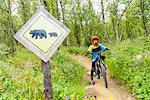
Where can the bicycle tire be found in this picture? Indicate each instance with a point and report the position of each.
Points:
(104, 75)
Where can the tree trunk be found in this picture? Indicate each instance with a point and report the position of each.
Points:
(63, 16)
(116, 28)
(47, 80)
(113, 25)
(53, 7)
(103, 15)
(57, 10)
(81, 29)
(13, 42)
(118, 34)
(62, 9)
(143, 16)
(23, 11)
(127, 29)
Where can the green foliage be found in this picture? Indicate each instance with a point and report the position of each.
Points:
(22, 78)
(76, 50)
(21, 82)
(50, 6)
(126, 67)
(135, 22)
(24, 10)
(80, 17)
(83, 21)
(4, 51)
(67, 74)
(21, 56)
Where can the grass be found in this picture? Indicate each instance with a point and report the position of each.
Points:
(125, 67)
(76, 50)
(21, 77)
(128, 69)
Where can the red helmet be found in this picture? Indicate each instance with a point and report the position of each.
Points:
(94, 38)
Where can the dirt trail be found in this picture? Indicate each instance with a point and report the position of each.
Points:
(114, 91)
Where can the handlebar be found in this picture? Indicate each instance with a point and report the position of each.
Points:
(97, 52)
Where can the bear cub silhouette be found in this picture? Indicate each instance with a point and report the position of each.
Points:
(54, 34)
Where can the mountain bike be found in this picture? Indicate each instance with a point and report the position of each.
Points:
(101, 68)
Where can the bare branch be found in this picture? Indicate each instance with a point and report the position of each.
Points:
(124, 11)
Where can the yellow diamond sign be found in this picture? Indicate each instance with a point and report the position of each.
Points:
(42, 34)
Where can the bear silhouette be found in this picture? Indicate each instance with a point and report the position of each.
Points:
(41, 33)
(54, 34)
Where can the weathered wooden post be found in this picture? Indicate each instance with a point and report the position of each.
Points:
(46, 69)
(43, 34)
(47, 80)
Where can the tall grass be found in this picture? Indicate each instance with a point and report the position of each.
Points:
(21, 77)
(129, 63)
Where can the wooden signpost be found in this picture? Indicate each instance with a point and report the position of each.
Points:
(43, 34)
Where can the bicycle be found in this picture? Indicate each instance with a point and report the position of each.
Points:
(101, 68)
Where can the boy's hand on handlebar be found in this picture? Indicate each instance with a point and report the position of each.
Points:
(107, 49)
(88, 53)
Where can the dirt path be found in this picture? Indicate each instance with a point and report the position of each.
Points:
(114, 91)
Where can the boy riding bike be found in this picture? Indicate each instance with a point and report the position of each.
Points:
(95, 49)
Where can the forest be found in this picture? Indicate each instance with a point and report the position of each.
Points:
(122, 25)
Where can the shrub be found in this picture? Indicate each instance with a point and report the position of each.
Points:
(21, 77)
(128, 69)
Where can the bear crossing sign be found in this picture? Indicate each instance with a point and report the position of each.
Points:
(42, 34)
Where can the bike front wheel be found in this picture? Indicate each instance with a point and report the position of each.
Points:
(104, 74)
